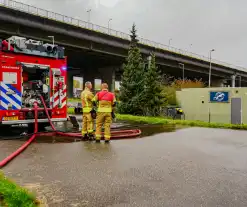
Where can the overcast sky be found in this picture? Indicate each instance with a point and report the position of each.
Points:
(206, 24)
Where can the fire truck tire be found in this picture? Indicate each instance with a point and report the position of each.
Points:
(5, 127)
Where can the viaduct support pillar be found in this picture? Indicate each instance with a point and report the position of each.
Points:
(239, 81)
(70, 75)
(109, 76)
(70, 84)
(233, 80)
(113, 80)
(88, 75)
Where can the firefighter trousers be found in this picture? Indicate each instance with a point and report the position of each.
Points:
(106, 119)
(87, 124)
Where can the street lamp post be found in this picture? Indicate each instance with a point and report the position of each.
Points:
(181, 64)
(170, 41)
(109, 26)
(210, 67)
(53, 41)
(89, 15)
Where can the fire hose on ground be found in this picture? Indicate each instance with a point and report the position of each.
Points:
(25, 145)
(118, 134)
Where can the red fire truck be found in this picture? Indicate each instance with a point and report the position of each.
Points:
(28, 69)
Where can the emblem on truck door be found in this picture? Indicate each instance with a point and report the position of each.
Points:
(10, 92)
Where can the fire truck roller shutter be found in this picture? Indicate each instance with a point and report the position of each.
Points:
(35, 66)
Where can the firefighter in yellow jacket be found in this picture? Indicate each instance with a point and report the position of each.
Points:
(87, 104)
(106, 101)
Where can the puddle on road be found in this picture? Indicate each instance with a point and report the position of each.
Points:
(147, 130)
(150, 129)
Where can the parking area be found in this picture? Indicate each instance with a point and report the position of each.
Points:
(189, 167)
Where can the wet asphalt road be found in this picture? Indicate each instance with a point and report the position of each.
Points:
(190, 167)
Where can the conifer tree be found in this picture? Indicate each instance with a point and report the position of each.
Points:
(154, 99)
(133, 80)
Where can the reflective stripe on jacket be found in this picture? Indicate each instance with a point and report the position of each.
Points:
(105, 100)
(86, 98)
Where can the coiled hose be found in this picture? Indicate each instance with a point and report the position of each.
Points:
(115, 134)
(122, 134)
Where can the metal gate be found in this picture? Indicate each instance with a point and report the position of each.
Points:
(236, 111)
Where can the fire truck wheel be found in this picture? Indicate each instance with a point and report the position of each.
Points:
(5, 127)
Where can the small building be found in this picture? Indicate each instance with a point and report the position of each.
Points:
(218, 105)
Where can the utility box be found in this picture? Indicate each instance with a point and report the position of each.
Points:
(219, 105)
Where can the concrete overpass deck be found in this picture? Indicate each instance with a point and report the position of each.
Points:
(24, 20)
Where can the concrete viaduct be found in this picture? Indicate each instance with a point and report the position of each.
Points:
(97, 52)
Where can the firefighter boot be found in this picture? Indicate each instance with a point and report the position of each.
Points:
(90, 128)
(107, 124)
(84, 127)
(91, 137)
(85, 137)
(87, 126)
(99, 123)
(107, 141)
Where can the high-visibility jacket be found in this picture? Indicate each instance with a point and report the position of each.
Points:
(106, 100)
(87, 98)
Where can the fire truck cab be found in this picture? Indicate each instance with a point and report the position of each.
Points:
(28, 69)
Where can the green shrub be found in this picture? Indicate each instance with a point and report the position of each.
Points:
(71, 110)
(170, 93)
(15, 196)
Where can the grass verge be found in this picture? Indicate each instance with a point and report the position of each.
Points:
(160, 120)
(74, 100)
(71, 110)
(12, 195)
